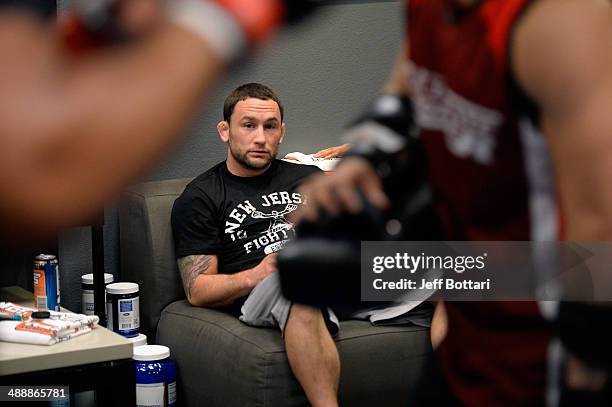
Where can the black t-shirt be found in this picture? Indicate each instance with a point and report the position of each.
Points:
(239, 219)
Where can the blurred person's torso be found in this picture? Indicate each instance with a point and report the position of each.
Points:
(491, 177)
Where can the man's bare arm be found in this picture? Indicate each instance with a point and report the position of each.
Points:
(73, 130)
(206, 288)
(562, 58)
(191, 267)
(397, 83)
(203, 285)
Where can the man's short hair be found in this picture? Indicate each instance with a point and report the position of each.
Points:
(246, 91)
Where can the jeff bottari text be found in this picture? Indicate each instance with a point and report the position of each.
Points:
(411, 264)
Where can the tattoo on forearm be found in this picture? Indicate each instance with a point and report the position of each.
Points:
(191, 267)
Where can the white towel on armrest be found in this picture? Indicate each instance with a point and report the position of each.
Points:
(326, 164)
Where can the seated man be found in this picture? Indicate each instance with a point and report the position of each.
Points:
(228, 225)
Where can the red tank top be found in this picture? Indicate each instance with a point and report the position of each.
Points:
(492, 180)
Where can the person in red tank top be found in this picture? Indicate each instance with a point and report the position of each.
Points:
(511, 97)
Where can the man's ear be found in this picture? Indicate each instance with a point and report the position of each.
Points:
(223, 130)
(282, 137)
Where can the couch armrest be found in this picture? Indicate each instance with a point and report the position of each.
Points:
(147, 248)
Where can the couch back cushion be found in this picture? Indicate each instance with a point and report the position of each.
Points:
(147, 248)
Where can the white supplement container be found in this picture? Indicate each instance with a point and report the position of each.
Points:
(122, 309)
(87, 296)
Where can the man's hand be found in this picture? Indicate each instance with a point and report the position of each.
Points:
(339, 192)
(139, 16)
(333, 152)
(581, 377)
(266, 267)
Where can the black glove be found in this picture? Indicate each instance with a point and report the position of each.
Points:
(227, 26)
(44, 8)
(586, 331)
(322, 266)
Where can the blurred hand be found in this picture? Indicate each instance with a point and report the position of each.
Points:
(93, 25)
(439, 325)
(580, 376)
(333, 152)
(338, 191)
(139, 16)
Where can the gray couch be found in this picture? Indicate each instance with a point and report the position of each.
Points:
(222, 362)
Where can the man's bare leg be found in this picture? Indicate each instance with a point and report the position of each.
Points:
(313, 356)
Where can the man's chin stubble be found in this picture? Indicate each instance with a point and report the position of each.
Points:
(252, 166)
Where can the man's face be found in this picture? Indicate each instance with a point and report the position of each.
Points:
(253, 134)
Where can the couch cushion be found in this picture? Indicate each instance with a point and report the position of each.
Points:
(223, 362)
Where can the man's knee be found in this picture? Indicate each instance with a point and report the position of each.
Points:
(305, 315)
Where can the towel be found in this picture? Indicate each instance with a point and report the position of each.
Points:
(15, 311)
(61, 326)
(326, 164)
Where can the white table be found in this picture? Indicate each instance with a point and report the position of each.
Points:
(101, 358)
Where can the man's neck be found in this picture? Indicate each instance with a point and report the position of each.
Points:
(237, 169)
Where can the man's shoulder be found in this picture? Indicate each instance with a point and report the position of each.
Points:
(211, 175)
(206, 185)
(207, 180)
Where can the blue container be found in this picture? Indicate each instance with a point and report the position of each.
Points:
(155, 376)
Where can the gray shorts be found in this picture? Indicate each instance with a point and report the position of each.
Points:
(267, 307)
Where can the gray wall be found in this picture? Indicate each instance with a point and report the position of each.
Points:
(325, 72)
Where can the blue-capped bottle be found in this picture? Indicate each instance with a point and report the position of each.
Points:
(155, 376)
